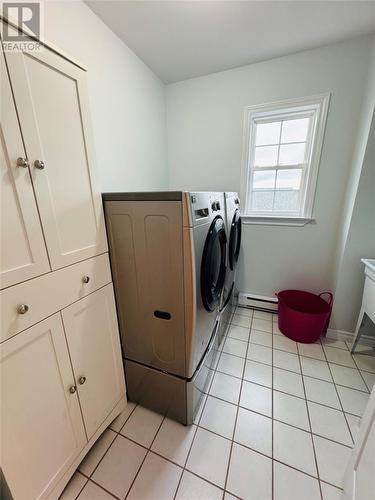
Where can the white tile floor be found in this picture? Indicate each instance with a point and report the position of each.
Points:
(278, 423)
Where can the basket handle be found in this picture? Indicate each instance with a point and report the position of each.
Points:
(329, 315)
(330, 297)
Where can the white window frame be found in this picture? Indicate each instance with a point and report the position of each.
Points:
(317, 105)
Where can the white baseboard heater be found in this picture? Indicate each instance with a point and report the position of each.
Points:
(257, 301)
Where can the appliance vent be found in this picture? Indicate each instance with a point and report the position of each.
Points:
(257, 301)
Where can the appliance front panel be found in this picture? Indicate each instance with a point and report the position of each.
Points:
(197, 387)
(202, 207)
(157, 391)
(227, 310)
(234, 241)
(147, 263)
(205, 320)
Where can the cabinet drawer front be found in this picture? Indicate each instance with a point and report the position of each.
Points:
(50, 293)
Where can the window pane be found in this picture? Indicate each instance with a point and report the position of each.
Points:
(295, 130)
(262, 201)
(292, 154)
(264, 180)
(263, 191)
(265, 156)
(289, 179)
(288, 183)
(286, 201)
(267, 133)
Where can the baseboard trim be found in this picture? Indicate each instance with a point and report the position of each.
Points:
(265, 303)
(349, 337)
(339, 335)
(260, 302)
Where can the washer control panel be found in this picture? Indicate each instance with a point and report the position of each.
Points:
(206, 206)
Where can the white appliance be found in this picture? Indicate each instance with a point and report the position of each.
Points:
(168, 256)
(234, 230)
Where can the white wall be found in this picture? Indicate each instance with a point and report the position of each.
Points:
(205, 139)
(360, 243)
(357, 229)
(127, 100)
(205, 130)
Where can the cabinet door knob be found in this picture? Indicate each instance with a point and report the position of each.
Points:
(39, 164)
(72, 389)
(22, 309)
(82, 380)
(86, 279)
(22, 162)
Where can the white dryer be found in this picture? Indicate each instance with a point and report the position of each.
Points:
(234, 231)
(168, 255)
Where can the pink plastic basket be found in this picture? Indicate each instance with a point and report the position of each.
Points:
(303, 316)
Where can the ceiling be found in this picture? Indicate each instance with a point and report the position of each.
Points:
(181, 39)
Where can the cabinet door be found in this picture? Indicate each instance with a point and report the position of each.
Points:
(52, 103)
(22, 250)
(41, 425)
(94, 346)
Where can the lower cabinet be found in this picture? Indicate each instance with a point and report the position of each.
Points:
(94, 345)
(60, 381)
(41, 424)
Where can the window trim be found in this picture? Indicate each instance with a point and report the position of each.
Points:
(319, 104)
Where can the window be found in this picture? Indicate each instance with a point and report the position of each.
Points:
(283, 145)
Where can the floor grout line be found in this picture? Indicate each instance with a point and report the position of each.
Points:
(104, 489)
(272, 419)
(207, 480)
(204, 402)
(144, 459)
(332, 382)
(82, 487)
(118, 433)
(278, 419)
(341, 404)
(104, 454)
(312, 438)
(237, 411)
(360, 372)
(149, 450)
(242, 379)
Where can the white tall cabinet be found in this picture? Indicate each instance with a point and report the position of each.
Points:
(23, 253)
(62, 379)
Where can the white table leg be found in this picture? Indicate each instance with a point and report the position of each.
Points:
(357, 334)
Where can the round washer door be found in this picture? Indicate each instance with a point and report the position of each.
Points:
(213, 265)
(235, 240)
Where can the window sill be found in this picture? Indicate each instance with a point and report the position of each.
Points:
(276, 220)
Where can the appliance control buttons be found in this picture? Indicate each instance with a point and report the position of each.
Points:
(215, 205)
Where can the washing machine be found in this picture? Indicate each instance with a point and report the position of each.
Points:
(234, 230)
(168, 253)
